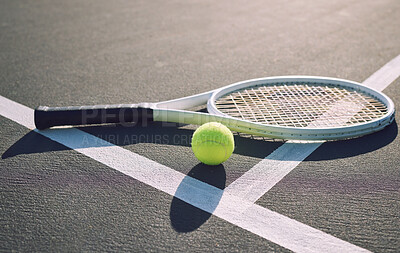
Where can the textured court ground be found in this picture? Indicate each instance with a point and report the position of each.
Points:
(62, 198)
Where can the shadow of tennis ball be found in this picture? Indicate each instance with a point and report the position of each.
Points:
(186, 217)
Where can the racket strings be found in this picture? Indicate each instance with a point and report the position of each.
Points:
(302, 105)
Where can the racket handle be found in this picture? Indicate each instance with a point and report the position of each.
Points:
(46, 117)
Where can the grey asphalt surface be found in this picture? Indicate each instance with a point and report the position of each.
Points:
(61, 53)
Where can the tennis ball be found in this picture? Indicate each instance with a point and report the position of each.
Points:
(212, 143)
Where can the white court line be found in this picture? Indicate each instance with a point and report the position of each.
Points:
(21, 114)
(253, 184)
(268, 224)
(385, 76)
(266, 174)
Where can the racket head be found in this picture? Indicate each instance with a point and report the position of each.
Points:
(303, 107)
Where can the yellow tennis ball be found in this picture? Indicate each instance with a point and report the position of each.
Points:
(213, 143)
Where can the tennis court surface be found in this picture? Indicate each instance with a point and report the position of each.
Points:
(138, 187)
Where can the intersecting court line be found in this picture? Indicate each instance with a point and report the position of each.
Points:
(268, 224)
(263, 176)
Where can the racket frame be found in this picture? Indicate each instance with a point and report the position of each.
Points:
(175, 111)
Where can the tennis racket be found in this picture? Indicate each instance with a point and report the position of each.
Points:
(285, 107)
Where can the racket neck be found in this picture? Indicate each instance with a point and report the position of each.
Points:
(185, 102)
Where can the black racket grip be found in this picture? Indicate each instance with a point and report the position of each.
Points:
(46, 117)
